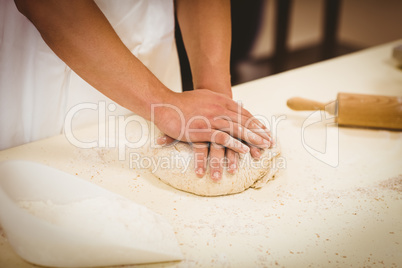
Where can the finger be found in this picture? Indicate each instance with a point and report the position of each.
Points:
(257, 126)
(251, 123)
(216, 160)
(232, 159)
(255, 152)
(200, 158)
(218, 137)
(240, 132)
(165, 140)
(237, 107)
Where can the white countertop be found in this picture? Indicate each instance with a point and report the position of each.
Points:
(348, 213)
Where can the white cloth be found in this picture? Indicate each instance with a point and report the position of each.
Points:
(37, 89)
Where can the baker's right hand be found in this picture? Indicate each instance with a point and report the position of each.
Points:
(206, 116)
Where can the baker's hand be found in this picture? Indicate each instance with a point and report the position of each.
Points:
(206, 116)
(217, 161)
(217, 152)
(216, 157)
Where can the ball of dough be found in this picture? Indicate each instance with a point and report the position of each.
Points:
(174, 165)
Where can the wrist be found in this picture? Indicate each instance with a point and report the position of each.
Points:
(157, 107)
(222, 90)
(144, 99)
(220, 84)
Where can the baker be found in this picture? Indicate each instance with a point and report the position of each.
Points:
(126, 50)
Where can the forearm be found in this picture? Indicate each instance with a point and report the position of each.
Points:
(206, 31)
(80, 35)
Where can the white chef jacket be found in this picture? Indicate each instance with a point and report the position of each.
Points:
(37, 89)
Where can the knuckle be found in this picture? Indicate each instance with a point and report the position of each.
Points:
(222, 138)
(216, 147)
(198, 124)
(254, 150)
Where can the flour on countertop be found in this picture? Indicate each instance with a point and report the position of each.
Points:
(394, 184)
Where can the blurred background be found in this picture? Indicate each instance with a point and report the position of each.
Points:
(272, 36)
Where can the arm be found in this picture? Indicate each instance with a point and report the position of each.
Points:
(206, 30)
(79, 34)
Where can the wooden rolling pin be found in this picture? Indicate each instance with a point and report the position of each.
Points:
(358, 110)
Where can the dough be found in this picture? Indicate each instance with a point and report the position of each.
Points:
(174, 165)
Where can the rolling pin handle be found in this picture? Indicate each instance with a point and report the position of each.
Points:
(300, 104)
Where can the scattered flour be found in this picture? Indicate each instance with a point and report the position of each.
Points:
(394, 184)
